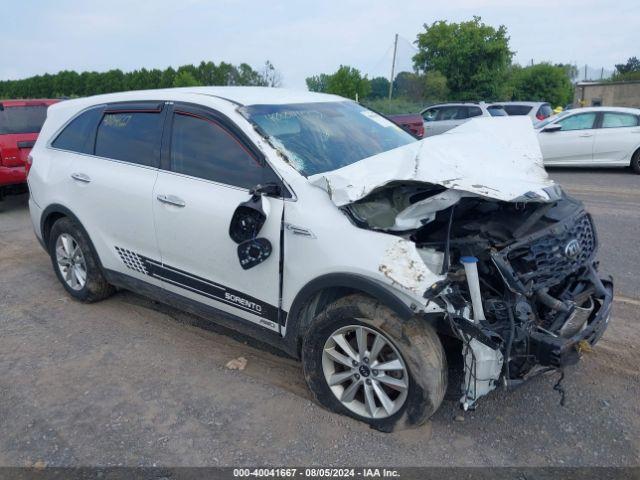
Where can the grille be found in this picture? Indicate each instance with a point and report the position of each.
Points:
(545, 261)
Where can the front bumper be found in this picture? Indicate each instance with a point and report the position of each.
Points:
(555, 351)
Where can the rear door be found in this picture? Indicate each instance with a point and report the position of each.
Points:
(573, 144)
(616, 139)
(111, 187)
(450, 117)
(210, 169)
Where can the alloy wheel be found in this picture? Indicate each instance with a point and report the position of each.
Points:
(365, 371)
(71, 262)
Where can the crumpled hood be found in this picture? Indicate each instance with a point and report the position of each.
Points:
(497, 158)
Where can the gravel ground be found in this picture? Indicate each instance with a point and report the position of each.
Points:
(131, 382)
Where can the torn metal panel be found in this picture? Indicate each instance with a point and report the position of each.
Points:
(497, 158)
(404, 266)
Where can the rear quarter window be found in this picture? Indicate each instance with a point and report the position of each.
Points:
(79, 135)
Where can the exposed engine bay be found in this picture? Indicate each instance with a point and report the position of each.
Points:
(520, 287)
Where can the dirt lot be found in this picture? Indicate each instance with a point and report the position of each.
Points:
(131, 382)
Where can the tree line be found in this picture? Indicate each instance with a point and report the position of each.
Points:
(466, 61)
(73, 84)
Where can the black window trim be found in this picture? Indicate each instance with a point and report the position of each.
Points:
(208, 113)
(153, 106)
(147, 106)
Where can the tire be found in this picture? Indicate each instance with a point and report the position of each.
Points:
(413, 343)
(67, 237)
(635, 162)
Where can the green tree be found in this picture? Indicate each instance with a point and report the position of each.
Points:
(632, 65)
(541, 82)
(409, 85)
(379, 87)
(346, 81)
(474, 57)
(318, 83)
(435, 87)
(185, 79)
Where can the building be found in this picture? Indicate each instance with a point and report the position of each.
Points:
(609, 94)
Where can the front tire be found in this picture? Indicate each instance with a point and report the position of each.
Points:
(360, 359)
(635, 162)
(75, 263)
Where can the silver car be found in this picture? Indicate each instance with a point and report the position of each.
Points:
(445, 116)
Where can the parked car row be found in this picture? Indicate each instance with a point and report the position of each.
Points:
(585, 137)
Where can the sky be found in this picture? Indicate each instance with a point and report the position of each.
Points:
(301, 38)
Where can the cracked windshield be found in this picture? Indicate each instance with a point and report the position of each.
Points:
(325, 136)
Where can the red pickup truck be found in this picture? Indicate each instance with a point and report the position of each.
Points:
(20, 123)
(411, 122)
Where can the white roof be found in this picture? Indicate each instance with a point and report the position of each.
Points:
(633, 111)
(241, 95)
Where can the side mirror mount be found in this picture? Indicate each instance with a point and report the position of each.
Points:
(269, 189)
(554, 127)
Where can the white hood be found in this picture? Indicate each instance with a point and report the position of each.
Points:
(498, 158)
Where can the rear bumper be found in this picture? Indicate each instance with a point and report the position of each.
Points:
(12, 175)
(559, 352)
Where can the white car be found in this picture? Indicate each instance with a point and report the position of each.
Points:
(592, 137)
(445, 116)
(320, 227)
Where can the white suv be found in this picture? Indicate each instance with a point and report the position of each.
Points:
(318, 226)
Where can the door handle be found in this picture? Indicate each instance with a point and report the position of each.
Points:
(81, 177)
(171, 200)
(586, 134)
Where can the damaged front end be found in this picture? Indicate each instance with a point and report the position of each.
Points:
(515, 256)
(522, 290)
(520, 287)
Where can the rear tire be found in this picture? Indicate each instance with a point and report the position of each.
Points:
(75, 262)
(416, 384)
(635, 162)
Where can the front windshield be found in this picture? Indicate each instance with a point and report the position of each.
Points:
(548, 120)
(325, 136)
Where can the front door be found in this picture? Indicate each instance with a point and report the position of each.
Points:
(208, 174)
(573, 144)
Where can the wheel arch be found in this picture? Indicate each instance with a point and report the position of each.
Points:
(51, 215)
(321, 291)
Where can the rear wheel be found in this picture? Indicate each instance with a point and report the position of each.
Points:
(75, 262)
(635, 162)
(360, 359)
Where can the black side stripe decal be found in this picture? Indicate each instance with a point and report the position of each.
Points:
(200, 285)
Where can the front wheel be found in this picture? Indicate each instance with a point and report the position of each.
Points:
(635, 162)
(360, 359)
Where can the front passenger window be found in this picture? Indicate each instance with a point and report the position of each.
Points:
(203, 148)
(582, 121)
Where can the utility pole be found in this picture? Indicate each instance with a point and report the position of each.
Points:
(393, 65)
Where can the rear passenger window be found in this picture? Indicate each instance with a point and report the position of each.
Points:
(130, 136)
(475, 112)
(618, 120)
(202, 148)
(78, 135)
